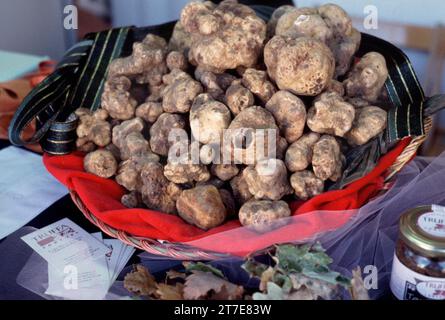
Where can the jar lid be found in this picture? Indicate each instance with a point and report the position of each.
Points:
(423, 229)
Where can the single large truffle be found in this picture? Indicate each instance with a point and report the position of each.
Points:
(117, 100)
(149, 111)
(331, 114)
(157, 192)
(329, 24)
(303, 65)
(208, 119)
(160, 130)
(92, 128)
(276, 15)
(179, 94)
(101, 163)
(369, 122)
(181, 167)
(253, 135)
(238, 98)
(121, 133)
(268, 179)
(367, 77)
(264, 215)
(202, 206)
(257, 82)
(306, 185)
(289, 112)
(129, 171)
(326, 158)
(146, 64)
(224, 37)
(299, 154)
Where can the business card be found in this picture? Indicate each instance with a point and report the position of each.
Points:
(64, 243)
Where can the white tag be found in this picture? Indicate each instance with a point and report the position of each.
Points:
(409, 285)
(88, 280)
(113, 257)
(64, 243)
(433, 223)
(84, 281)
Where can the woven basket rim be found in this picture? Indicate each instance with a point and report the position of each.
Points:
(185, 252)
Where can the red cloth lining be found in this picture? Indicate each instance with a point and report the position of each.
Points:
(102, 198)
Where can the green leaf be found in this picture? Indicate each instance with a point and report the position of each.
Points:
(331, 277)
(190, 266)
(297, 258)
(254, 268)
(300, 272)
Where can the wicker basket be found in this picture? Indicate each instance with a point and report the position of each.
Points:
(57, 86)
(184, 252)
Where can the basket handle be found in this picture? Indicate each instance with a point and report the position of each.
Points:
(76, 82)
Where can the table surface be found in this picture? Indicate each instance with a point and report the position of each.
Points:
(64, 207)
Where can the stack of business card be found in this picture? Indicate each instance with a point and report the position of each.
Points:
(80, 265)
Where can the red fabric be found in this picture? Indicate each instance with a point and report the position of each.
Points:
(102, 198)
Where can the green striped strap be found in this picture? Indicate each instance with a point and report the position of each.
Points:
(405, 118)
(106, 47)
(76, 82)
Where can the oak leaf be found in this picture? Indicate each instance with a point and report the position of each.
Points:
(169, 292)
(206, 285)
(140, 282)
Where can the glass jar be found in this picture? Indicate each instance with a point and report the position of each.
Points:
(418, 270)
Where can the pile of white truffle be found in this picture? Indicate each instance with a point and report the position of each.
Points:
(226, 70)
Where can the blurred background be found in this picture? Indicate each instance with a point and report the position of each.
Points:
(36, 28)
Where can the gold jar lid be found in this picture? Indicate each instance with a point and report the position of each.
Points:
(423, 229)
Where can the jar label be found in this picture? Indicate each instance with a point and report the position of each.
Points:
(433, 223)
(407, 284)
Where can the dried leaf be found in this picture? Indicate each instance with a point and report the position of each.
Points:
(302, 294)
(275, 292)
(314, 287)
(357, 289)
(231, 292)
(201, 285)
(140, 282)
(173, 274)
(266, 277)
(168, 292)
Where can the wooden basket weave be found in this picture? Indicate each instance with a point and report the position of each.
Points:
(184, 252)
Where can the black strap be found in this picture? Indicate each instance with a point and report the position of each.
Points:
(404, 89)
(76, 82)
